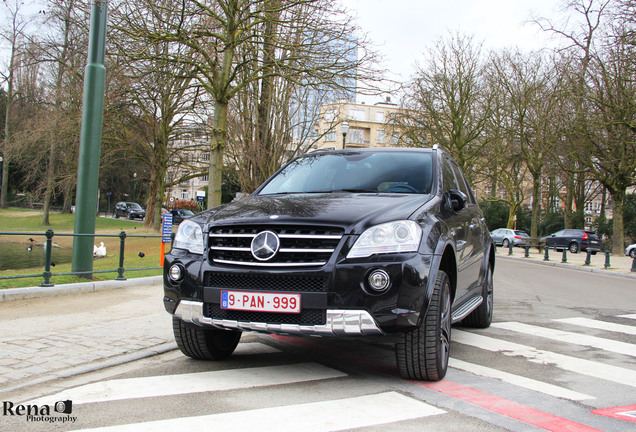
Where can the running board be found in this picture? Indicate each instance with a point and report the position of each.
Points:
(466, 309)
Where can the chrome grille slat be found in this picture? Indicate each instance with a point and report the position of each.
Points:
(300, 246)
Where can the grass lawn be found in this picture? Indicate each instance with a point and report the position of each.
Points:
(20, 220)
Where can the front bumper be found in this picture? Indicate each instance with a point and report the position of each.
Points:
(339, 322)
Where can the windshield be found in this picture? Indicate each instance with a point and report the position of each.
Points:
(393, 172)
(134, 206)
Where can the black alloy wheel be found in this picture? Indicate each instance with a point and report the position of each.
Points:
(482, 316)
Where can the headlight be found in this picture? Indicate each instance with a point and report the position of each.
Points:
(190, 237)
(399, 236)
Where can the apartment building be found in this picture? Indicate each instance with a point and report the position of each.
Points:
(350, 125)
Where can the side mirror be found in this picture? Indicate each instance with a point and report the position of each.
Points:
(456, 200)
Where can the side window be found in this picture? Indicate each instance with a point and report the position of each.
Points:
(449, 177)
(463, 184)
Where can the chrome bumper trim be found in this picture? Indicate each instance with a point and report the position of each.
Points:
(339, 322)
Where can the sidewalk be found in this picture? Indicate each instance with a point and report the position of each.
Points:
(46, 338)
(619, 265)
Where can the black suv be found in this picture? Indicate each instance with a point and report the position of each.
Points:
(129, 210)
(574, 240)
(338, 243)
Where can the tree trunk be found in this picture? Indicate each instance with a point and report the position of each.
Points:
(217, 149)
(536, 206)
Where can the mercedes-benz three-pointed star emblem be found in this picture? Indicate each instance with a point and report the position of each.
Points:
(265, 245)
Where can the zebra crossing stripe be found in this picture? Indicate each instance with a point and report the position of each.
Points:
(630, 316)
(569, 337)
(167, 385)
(519, 381)
(332, 415)
(599, 325)
(572, 364)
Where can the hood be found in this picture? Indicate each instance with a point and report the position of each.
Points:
(353, 211)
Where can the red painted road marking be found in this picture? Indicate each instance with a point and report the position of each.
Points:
(484, 400)
(627, 413)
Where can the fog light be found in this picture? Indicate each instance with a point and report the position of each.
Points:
(175, 273)
(379, 280)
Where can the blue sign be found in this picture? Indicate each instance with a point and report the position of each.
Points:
(166, 228)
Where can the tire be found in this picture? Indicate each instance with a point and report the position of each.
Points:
(482, 316)
(573, 247)
(116, 215)
(422, 353)
(632, 253)
(505, 243)
(204, 343)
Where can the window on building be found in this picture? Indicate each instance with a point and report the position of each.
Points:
(184, 194)
(381, 137)
(355, 136)
(204, 178)
(395, 138)
(357, 114)
(330, 115)
(330, 136)
(380, 117)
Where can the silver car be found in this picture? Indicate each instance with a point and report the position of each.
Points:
(505, 237)
(630, 250)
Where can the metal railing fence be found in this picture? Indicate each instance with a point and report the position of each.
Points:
(49, 234)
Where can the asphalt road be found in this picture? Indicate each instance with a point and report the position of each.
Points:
(559, 356)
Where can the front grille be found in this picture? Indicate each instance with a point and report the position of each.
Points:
(305, 317)
(299, 245)
(266, 282)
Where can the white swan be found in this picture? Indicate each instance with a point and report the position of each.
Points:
(99, 251)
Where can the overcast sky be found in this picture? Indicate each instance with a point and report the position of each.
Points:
(403, 29)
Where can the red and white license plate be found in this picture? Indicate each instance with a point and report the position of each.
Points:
(260, 301)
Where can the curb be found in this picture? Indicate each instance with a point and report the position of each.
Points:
(11, 294)
(569, 266)
(96, 366)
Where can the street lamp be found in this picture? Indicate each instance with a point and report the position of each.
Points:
(345, 128)
(1, 159)
(134, 187)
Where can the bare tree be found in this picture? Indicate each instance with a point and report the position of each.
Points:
(156, 97)
(447, 102)
(14, 36)
(238, 43)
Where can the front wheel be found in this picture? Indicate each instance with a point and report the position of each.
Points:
(422, 353)
(204, 343)
(505, 243)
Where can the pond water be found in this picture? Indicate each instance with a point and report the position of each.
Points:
(14, 256)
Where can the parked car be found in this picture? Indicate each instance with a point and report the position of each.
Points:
(129, 210)
(575, 240)
(341, 243)
(631, 250)
(178, 215)
(505, 237)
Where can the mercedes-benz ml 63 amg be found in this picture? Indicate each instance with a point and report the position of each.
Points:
(338, 243)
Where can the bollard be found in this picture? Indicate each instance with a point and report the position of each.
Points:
(510, 246)
(588, 258)
(47, 261)
(546, 256)
(607, 259)
(122, 243)
(564, 258)
(527, 255)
